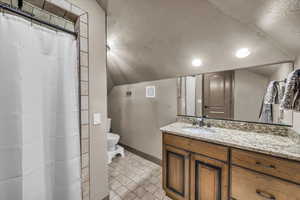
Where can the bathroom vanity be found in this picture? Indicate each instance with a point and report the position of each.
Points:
(223, 164)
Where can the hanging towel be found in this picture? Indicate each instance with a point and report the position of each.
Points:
(266, 112)
(291, 97)
(271, 96)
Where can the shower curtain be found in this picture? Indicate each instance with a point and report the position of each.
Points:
(39, 113)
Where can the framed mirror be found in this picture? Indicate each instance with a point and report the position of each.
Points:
(240, 94)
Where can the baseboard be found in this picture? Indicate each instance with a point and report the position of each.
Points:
(142, 154)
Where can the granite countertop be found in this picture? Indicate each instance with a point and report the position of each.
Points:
(280, 146)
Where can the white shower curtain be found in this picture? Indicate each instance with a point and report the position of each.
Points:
(39, 123)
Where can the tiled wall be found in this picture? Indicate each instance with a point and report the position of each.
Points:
(69, 16)
(243, 126)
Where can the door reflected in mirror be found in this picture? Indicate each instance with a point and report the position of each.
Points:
(240, 94)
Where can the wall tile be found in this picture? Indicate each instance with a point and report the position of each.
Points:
(84, 18)
(84, 59)
(83, 44)
(38, 3)
(242, 126)
(27, 8)
(84, 131)
(52, 8)
(62, 4)
(87, 197)
(85, 160)
(85, 189)
(84, 88)
(84, 146)
(83, 30)
(76, 10)
(85, 174)
(84, 117)
(57, 21)
(14, 3)
(5, 1)
(84, 102)
(71, 16)
(70, 26)
(84, 76)
(41, 15)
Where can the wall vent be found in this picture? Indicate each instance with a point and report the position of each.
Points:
(150, 92)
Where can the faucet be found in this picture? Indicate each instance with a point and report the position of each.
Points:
(200, 122)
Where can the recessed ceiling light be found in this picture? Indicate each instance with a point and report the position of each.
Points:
(242, 53)
(197, 62)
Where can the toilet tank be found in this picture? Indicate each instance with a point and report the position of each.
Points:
(108, 125)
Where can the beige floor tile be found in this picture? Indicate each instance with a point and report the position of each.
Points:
(150, 188)
(134, 178)
(129, 196)
(140, 191)
(132, 186)
(121, 191)
(115, 184)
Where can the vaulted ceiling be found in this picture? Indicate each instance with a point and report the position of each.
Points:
(156, 39)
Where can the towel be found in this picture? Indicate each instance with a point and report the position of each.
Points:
(291, 97)
(273, 92)
(266, 113)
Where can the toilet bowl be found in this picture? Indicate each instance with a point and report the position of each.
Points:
(112, 141)
(113, 148)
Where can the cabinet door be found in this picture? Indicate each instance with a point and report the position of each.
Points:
(176, 173)
(209, 179)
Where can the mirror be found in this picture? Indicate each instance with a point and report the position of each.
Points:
(239, 94)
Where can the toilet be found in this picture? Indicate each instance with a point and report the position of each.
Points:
(113, 148)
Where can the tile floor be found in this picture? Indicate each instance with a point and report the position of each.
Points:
(134, 178)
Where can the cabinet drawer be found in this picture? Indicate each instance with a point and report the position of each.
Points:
(285, 169)
(248, 185)
(204, 148)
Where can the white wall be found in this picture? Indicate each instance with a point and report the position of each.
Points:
(249, 90)
(190, 95)
(199, 79)
(98, 96)
(137, 119)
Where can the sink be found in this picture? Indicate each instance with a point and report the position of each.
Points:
(198, 130)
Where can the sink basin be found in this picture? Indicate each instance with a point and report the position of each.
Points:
(198, 130)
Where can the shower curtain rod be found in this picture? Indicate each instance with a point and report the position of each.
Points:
(33, 18)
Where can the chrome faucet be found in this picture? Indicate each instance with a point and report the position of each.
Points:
(200, 122)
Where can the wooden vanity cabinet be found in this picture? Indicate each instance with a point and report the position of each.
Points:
(187, 174)
(198, 170)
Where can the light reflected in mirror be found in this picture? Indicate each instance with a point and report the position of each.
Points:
(236, 94)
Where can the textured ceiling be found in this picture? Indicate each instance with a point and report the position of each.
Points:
(158, 39)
